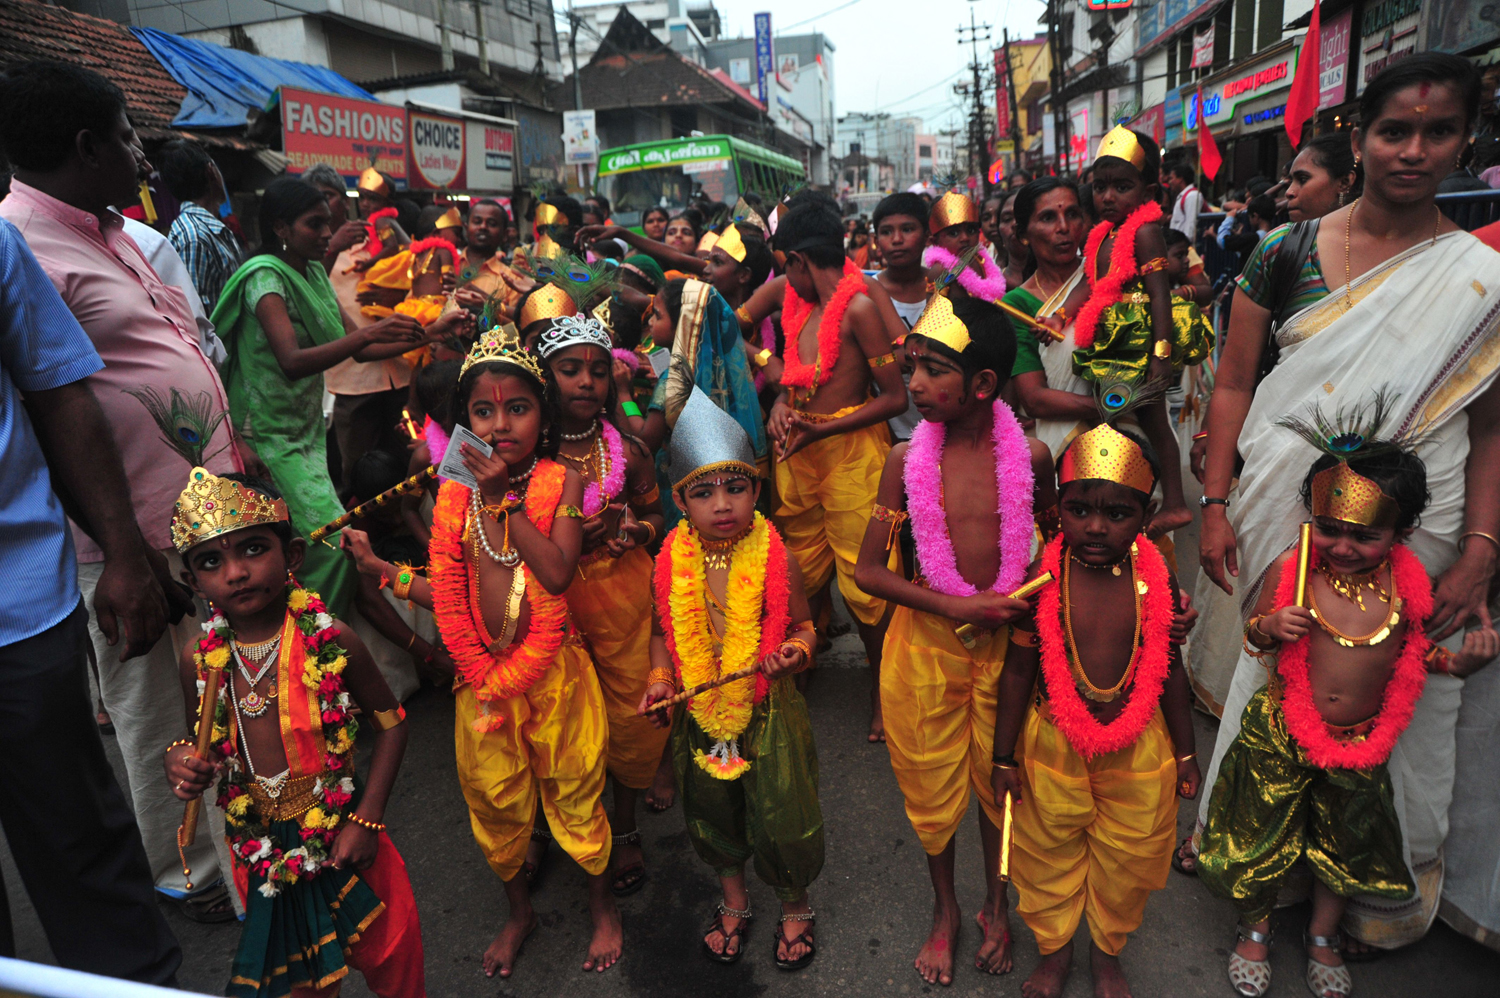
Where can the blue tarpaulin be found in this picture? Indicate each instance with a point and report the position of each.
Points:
(224, 84)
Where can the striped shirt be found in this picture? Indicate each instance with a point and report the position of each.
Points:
(41, 347)
(209, 249)
(1255, 279)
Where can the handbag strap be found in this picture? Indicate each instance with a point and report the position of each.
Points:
(1286, 265)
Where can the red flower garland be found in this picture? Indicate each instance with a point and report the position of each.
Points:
(773, 622)
(1122, 269)
(1072, 716)
(794, 314)
(373, 243)
(516, 668)
(1408, 677)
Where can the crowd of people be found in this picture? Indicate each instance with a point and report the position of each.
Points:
(600, 485)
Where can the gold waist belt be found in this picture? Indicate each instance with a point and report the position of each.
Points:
(828, 417)
(296, 797)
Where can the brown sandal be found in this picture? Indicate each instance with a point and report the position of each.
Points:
(805, 937)
(730, 935)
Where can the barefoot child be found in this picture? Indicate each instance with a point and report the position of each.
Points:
(323, 886)
(729, 596)
(967, 473)
(1127, 325)
(530, 718)
(1306, 777)
(610, 598)
(830, 433)
(1104, 740)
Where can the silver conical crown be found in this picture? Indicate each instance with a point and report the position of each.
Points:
(707, 439)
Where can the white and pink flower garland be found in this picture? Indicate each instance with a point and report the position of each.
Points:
(1014, 486)
(990, 287)
(598, 494)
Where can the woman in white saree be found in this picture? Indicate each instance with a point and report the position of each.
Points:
(1393, 297)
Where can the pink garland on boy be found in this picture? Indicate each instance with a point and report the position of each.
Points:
(990, 287)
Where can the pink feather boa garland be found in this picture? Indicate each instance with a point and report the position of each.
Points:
(597, 495)
(1402, 691)
(990, 287)
(437, 443)
(627, 357)
(1014, 487)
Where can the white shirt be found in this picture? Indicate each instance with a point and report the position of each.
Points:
(1185, 211)
(167, 263)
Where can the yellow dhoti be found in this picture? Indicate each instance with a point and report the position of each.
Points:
(825, 492)
(611, 605)
(552, 744)
(1093, 837)
(938, 701)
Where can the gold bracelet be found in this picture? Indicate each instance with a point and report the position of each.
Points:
(803, 647)
(1162, 350)
(375, 826)
(743, 314)
(385, 720)
(763, 357)
(661, 674)
(401, 588)
(878, 362)
(1478, 533)
(180, 741)
(650, 531)
(572, 511)
(1184, 758)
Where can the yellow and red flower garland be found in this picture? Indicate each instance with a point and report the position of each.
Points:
(455, 594)
(794, 315)
(250, 839)
(1402, 690)
(1070, 714)
(756, 598)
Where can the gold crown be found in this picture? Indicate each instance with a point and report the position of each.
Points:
(708, 242)
(732, 243)
(938, 323)
(502, 345)
(952, 208)
(1121, 143)
(449, 219)
(546, 214)
(1106, 453)
(374, 181)
(548, 301)
(211, 506)
(1344, 494)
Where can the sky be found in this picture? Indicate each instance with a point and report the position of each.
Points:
(887, 56)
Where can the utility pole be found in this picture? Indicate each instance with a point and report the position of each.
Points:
(573, 51)
(1010, 91)
(978, 126)
(445, 44)
(1059, 105)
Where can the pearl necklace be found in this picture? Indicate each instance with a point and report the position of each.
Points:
(586, 434)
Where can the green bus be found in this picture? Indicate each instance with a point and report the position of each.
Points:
(670, 174)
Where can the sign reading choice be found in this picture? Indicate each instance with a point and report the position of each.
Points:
(437, 151)
(347, 133)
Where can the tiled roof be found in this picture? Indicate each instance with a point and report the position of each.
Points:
(30, 30)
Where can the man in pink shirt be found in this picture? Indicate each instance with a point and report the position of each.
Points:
(145, 333)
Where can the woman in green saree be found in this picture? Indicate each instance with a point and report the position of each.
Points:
(283, 328)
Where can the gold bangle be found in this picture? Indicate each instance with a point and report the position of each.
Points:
(385, 720)
(650, 530)
(661, 674)
(1006, 765)
(375, 826)
(1162, 350)
(743, 314)
(572, 511)
(1478, 533)
(803, 647)
(1185, 758)
(411, 641)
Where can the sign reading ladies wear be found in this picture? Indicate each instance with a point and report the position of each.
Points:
(437, 151)
(347, 133)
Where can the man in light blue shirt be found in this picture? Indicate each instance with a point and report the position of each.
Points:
(70, 830)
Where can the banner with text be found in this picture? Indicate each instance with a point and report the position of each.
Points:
(349, 134)
(437, 151)
(492, 156)
(1002, 93)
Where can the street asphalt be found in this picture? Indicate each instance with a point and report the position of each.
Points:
(873, 899)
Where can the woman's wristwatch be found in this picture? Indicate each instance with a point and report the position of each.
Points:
(1206, 501)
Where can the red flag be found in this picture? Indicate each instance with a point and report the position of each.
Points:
(1302, 102)
(1209, 159)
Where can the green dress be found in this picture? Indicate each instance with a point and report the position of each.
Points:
(282, 420)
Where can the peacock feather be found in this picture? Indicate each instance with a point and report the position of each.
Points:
(586, 283)
(1117, 399)
(1352, 428)
(187, 422)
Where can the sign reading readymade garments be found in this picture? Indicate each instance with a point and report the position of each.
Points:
(346, 133)
(677, 152)
(437, 151)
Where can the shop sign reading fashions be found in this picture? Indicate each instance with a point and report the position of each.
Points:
(350, 134)
(1388, 32)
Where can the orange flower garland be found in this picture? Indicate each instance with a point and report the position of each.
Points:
(1402, 690)
(514, 669)
(1109, 289)
(794, 315)
(1070, 714)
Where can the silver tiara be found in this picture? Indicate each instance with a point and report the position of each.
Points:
(573, 331)
(707, 439)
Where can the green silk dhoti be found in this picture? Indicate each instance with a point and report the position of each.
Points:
(1124, 338)
(1271, 807)
(770, 812)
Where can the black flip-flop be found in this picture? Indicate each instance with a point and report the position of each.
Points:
(629, 880)
(1177, 859)
(805, 937)
(730, 935)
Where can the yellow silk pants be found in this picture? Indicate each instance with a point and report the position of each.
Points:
(938, 701)
(610, 603)
(552, 744)
(825, 492)
(1092, 837)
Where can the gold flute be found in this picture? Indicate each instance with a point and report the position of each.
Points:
(1304, 558)
(1010, 802)
(969, 634)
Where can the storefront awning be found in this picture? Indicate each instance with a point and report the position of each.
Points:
(224, 84)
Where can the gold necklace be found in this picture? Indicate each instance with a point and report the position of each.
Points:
(1352, 587)
(718, 554)
(1075, 664)
(1113, 569)
(1392, 618)
(1349, 232)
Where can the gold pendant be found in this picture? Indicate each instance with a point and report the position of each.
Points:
(1115, 570)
